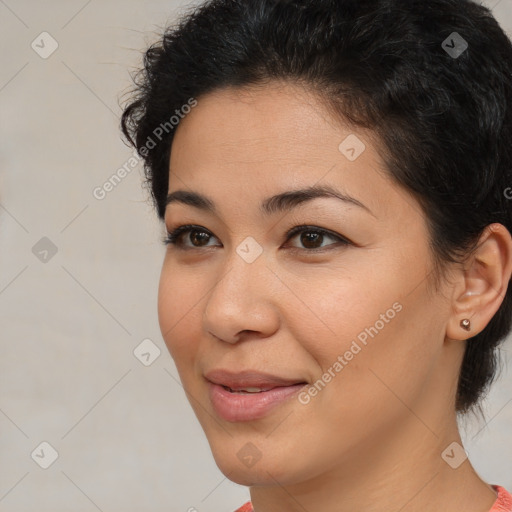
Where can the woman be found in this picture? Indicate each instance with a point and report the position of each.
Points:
(333, 178)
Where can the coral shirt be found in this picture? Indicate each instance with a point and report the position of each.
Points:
(502, 504)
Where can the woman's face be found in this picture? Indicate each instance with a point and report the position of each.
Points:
(239, 294)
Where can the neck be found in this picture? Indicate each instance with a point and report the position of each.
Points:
(406, 472)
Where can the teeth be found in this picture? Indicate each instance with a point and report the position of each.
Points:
(249, 390)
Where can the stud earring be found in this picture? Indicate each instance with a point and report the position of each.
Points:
(465, 324)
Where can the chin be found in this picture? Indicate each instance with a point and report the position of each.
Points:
(245, 477)
(265, 471)
(248, 476)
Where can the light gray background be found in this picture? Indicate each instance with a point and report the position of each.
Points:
(126, 436)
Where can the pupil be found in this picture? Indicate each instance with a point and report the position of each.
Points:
(307, 238)
(196, 235)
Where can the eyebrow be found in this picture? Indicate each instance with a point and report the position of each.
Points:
(281, 202)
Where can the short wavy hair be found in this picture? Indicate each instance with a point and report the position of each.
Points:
(441, 111)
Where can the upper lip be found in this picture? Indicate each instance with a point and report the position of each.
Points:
(249, 379)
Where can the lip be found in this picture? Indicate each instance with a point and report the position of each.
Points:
(250, 406)
(249, 379)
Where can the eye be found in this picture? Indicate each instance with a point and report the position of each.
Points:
(311, 237)
(201, 235)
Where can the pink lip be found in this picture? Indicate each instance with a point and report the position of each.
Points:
(247, 407)
(249, 379)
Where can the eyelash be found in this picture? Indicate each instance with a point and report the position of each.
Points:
(173, 238)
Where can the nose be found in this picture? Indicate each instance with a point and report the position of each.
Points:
(243, 300)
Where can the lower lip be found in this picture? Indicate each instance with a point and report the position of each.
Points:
(248, 406)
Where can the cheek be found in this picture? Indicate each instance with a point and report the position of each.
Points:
(178, 312)
(342, 307)
(364, 327)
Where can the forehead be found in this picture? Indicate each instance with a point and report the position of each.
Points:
(280, 117)
(256, 141)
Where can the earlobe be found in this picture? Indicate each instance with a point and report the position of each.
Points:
(484, 281)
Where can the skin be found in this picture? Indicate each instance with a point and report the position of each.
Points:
(372, 438)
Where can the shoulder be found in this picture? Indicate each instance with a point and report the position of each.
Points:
(504, 501)
(246, 507)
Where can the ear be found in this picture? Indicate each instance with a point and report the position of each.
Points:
(482, 284)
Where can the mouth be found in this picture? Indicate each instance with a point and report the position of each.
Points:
(245, 405)
(254, 390)
(249, 395)
(250, 381)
